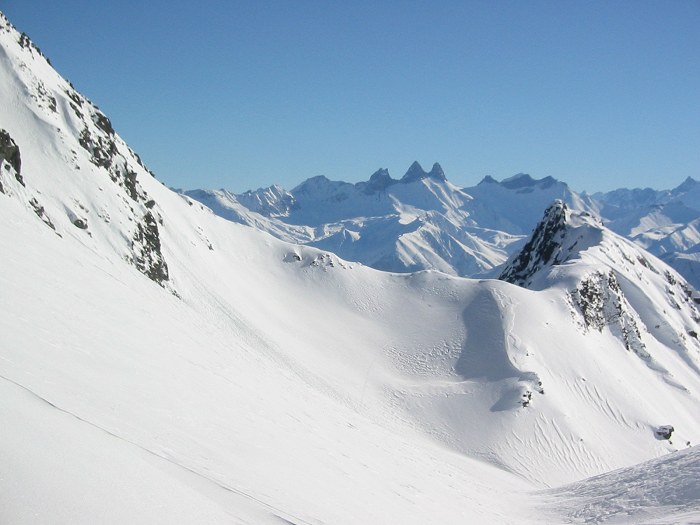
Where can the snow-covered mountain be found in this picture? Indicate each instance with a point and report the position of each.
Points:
(161, 364)
(421, 221)
(666, 223)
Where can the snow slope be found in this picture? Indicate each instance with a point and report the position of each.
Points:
(666, 222)
(660, 491)
(150, 347)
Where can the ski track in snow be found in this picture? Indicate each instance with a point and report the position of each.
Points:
(275, 512)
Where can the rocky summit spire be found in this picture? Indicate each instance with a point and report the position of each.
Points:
(416, 172)
(542, 249)
(379, 180)
(437, 173)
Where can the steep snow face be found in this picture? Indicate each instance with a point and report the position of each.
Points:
(666, 223)
(612, 287)
(515, 204)
(265, 382)
(687, 264)
(54, 129)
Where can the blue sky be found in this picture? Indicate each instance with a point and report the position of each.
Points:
(600, 94)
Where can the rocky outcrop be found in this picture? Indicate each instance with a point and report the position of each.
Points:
(416, 172)
(9, 151)
(541, 250)
(146, 247)
(601, 303)
(379, 181)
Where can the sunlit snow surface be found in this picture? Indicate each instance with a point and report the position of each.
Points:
(426, 222)
(660, 491)
(264, 382)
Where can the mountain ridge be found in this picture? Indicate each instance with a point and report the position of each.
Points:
(666, 222)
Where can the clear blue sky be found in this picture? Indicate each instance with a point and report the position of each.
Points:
(243, 94)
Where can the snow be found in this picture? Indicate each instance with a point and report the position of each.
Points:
(460, 231)
(261, 381)
(660, 491)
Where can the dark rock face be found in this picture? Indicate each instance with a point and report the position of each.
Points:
(601, 302)
(102, 122)
(101, 150)
(80, 223)
(41, 213)
(27, 43)
(541, 249)
(663, 432)
(437, 173)
(380, 180)
(9, 151)
(148, 258)
(416, 172)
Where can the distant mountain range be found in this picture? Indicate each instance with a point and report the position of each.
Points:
(423, 221)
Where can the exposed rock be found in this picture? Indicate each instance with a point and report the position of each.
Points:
(380, 180)
(9, 151)
(663, 432)
(101, 150)
(102, 122)
(542, 248)
(601, 303)
(416, 172)
(26, 42)
(437, 173)
(146, 247)
(41, 213)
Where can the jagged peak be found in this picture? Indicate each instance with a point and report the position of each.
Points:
(416, 172)
(542, 248)
(437, 172)
(688, 184)
(380, 174)
(379, 181)
(558, 211)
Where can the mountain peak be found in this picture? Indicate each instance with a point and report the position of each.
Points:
(688, 184)
(488, 180)
(543, 247)
(437, 173)
(416, 172)
(312, 182)
(520, 180)
(380, 180)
